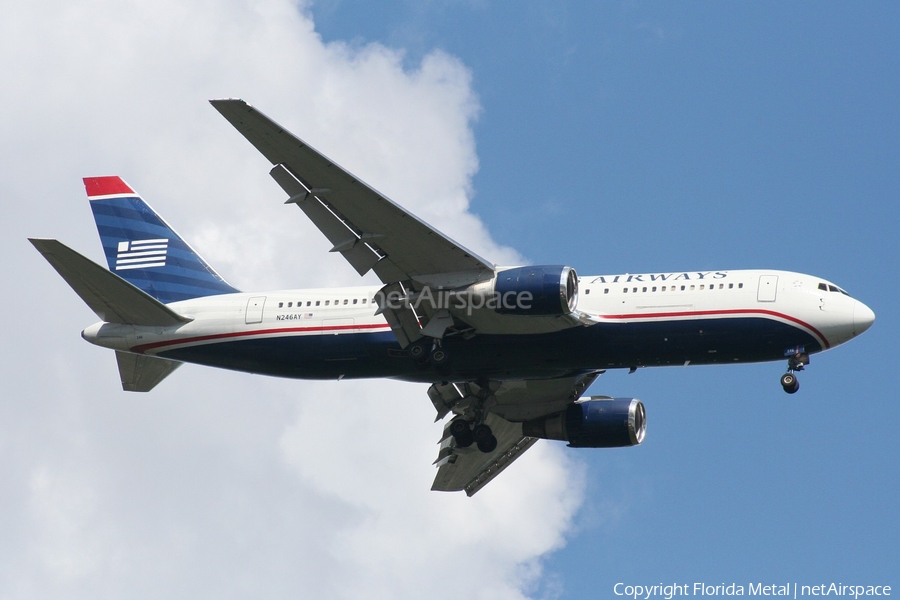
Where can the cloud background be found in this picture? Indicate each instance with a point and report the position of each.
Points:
(218, 484)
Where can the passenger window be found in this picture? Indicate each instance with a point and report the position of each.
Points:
(605, 290)
(643, 289)
(587, 291)
(654, 289)
(355, 301)
(327, 302)
(730, 286)
(740, 285)
(318, 302)
(345, 301)
(364, 300)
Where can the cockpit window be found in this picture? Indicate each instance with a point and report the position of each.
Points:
(827, 287)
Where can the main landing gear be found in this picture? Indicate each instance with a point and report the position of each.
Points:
(795, 363)
(437, 356)
(465, 435)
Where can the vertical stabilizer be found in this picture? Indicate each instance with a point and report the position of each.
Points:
(144, 250)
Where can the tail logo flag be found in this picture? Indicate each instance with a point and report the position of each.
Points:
(144, 250)
(142, 254)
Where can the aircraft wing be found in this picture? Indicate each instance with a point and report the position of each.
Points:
(468, 469)
(369, 230)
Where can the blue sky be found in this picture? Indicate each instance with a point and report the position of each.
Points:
(610, 136)
(631, 137)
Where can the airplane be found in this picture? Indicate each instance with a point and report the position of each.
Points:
(508, 351)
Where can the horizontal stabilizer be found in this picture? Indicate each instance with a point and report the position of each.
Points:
(141, 373)
(112, 298)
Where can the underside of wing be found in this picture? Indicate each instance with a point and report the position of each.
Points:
(469, 469)
(503, 406)
(434, 287)
(367, 228)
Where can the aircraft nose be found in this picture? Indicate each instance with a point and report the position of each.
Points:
(863, 317)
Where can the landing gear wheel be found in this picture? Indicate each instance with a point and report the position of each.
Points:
(790, 383)
(458, 427)
(482, 433)
(461, 432)
(438, 357)
(488, 445)
(416, 350)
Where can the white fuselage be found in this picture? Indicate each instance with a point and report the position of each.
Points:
(811, 306)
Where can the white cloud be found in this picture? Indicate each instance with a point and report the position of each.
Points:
(219, 484)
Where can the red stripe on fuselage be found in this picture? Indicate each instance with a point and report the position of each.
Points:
(222, 336)
(322, 329)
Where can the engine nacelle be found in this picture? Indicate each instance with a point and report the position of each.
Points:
(598, 422)
(538, 291)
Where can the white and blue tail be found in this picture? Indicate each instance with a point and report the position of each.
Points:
(144, 250)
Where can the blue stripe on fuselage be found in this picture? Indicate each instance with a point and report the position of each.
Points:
(601, 346)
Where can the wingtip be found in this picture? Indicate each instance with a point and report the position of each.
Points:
(42, 244)
(217, 102)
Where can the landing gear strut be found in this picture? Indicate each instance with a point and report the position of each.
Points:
(795, 363)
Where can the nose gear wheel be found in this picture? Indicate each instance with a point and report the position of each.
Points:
(789, 380)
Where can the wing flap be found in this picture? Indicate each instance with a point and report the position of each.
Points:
(350, 243)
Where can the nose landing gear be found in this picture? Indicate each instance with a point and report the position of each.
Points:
(795, 363)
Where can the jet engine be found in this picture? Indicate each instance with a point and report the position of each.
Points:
(541, 291)
(597, 422)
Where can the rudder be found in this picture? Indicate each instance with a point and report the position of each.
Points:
(144, 250)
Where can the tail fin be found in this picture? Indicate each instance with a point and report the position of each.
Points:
(144, 250)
